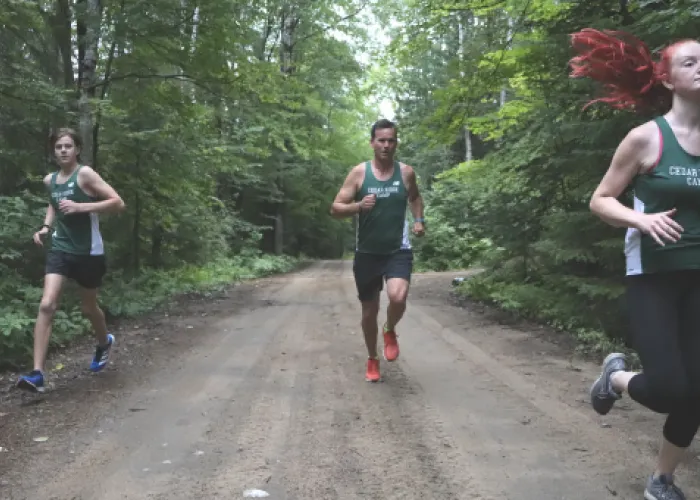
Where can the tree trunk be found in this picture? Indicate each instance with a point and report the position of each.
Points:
(62, 34)
(157, 246)
(509, 36)
(116, 41)
(627, 18)
(289, 24)
(88, 32)
(136, 234)
(136, 230)
(468, 155)
(279, 234)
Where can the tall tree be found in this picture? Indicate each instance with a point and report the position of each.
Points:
(519, 203)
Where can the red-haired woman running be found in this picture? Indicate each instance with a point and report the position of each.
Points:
(660, 159)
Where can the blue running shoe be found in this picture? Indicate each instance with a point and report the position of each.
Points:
(32, 382)
(102, 355)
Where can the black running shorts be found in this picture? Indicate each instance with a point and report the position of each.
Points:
(371, 270)
(86, 270)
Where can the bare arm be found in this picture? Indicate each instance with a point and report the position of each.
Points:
(627, 163)
(50, 212)
(415, 200)
(94, 185)
(633, 155)
(48, 218)
(344, 204)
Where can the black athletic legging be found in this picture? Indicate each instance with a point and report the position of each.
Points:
(665, 321)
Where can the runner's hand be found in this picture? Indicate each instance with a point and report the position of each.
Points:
(37, 236)
(660, 225)
(367, 203)
(418, 228)
(69, 207)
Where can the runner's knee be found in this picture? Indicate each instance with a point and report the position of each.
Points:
(673, 396)
(48, 306)
(668, 392)
(397, 295)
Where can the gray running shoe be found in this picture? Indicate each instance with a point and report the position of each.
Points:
(662, 488)
(603, 396)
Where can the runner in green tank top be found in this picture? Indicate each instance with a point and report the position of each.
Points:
(379, 192)
(76, 252)
(383, 230)
(660, 160)
(78, 233)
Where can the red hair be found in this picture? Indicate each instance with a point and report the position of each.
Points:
(624, 65)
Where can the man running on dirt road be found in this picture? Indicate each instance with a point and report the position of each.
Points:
(378, 191)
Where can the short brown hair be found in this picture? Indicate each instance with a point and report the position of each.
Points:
(62, 132)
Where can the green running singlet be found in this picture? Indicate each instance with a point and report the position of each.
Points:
(384, 229)
(673, 183)
(77, 234)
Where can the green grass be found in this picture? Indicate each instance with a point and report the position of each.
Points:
(120, 297)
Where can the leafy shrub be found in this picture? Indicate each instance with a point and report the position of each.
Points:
(120, 297)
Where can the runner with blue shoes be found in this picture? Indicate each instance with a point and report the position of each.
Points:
(77, 194)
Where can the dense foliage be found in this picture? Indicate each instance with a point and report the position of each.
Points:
(495, 125)
(225, 125)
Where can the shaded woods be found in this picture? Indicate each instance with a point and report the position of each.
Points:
(509, 156)
(228, 127)
(225, 126)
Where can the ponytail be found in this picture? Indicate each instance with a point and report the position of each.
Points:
(624, 65)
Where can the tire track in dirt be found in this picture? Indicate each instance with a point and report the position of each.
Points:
(350, 439)
(129, 452)
(517, 450)
(516, 405)
(273, 397)
(241, 443)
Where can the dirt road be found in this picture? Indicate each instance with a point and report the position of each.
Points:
(263, 389)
